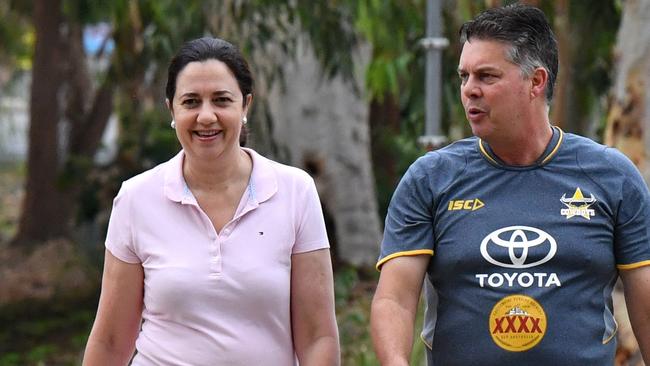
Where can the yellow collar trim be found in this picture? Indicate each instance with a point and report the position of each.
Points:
(547, 158)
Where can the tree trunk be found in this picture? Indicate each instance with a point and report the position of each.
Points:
(45, 212)
(384, 124)
(627, 123)
(561, 100)
(59, 157)
(321, 126)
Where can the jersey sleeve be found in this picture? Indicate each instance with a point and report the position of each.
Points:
(632, 226)
(311, 233)
(119, 238)
(409, 222)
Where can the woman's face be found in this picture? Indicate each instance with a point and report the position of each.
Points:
(208, 109)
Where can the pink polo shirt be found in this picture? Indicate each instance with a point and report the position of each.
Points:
(216, 298)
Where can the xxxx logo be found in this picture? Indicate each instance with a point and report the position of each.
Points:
(517, 323)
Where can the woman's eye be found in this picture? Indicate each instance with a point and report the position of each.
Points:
(222, 100)
(189, 102)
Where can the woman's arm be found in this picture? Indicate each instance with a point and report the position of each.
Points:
(313, 318)
(112, 339)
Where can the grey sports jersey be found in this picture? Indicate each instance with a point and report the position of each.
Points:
(524, 258)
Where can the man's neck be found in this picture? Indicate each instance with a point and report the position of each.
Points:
(523, 150)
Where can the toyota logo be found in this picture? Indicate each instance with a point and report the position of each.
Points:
(518, 239)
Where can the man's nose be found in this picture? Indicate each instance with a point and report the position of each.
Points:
(471, 89)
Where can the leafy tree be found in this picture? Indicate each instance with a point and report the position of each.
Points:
(68, 100)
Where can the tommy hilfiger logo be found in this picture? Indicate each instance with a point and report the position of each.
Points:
(578, 205)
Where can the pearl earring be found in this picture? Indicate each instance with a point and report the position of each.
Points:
(173, 124)
(244, 120)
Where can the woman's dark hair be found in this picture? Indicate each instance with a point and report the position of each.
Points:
(207, 48)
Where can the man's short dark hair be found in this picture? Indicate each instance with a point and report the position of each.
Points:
(526, 30)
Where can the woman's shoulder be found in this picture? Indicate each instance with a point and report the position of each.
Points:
(151, 178)
(283, 172)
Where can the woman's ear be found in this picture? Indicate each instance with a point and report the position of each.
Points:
(169, 106)
(249, 100)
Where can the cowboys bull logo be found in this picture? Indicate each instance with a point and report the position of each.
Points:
(578, 205)
(517, 323)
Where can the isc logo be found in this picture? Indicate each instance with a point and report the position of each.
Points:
(468, 205)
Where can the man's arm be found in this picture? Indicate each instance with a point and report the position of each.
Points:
(637, 297)
(394, 308)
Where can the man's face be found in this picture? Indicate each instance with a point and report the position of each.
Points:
(495, 95)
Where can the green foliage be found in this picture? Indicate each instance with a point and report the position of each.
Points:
(393, 29)
(10, 359)
(16, 35)
(354, 289)
(353, 317)
(47, 337)
(41, 353)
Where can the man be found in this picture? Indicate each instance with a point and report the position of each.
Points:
(521, 231)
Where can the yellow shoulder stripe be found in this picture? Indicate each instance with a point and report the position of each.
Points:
(425, 342)
(402, 254)
(633, 265)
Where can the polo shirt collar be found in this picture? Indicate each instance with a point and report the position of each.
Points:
(263, 182)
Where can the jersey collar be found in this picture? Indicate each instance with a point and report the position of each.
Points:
(548, 154)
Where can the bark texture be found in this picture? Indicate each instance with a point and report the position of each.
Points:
(67, 121)
(627, 123)
(322, 127)
(44, 218)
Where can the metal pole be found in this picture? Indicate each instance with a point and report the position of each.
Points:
(434, 43)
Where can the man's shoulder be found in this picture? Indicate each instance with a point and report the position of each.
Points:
(452, 155)
(604, 164)
(441, 167)
(591, 154)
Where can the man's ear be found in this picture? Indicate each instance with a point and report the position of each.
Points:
(539, 79)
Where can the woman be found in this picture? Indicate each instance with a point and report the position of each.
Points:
(218, 256)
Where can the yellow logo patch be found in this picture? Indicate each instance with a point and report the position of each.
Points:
(467, 205)
(578, 205)
(517, 323)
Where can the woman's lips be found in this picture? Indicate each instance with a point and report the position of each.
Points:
(205, 135)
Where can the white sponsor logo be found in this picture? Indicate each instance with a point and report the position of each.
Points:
(523, 279)
(518, 240)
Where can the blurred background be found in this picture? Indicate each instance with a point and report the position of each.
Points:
(340, 93)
